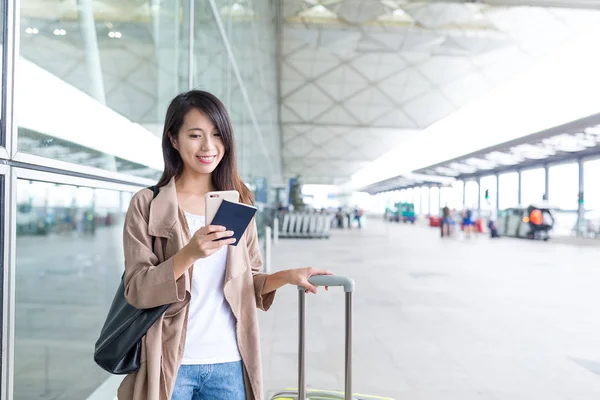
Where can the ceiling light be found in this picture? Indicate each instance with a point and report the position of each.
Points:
(115, 35)
(59, 32)
(480, 163)
(593, 130)
(446, 171)
(32, 31)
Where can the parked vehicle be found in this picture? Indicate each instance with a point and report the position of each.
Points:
(533, 222)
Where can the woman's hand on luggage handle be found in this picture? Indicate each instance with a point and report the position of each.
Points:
(299, 277)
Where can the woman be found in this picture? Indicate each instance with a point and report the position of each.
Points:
(206, 345)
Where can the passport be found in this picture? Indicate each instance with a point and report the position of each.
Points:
(234, 217)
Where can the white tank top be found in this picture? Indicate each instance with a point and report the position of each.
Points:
(211, 329)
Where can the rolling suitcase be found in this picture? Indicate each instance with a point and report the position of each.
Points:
(302, 393)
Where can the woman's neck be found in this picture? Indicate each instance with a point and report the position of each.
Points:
(195, 184)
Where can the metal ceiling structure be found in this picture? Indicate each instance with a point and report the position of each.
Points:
(569, 142)
(408, 181)
(360, 77)
(572, 141)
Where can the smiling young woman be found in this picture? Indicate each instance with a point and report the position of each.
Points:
(206, 345)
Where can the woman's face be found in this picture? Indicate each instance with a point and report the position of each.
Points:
(199, 143)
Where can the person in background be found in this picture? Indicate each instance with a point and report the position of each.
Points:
(492, 223)
(358, 213)
(446, 221)
(340, 218)
(468, 222)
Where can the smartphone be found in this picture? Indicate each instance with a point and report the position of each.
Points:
(214, 200)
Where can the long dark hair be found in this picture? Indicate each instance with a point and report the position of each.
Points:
(225, 176)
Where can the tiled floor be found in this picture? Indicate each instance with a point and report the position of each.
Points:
(443, 319)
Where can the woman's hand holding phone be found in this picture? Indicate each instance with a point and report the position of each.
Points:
(206, 241)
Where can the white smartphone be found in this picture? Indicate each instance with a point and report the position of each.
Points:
(214, 199)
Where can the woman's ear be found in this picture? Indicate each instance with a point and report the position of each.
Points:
(173, 141)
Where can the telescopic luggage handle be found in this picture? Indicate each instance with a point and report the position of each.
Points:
(326, 280)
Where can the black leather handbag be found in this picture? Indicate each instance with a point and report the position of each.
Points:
(119, 347)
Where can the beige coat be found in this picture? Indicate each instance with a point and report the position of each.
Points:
(150, 282)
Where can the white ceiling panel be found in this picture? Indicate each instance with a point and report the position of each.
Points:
(465, 90)
(424, 114)
(396, 118)
(337, 115)
(378, 66)
(371, 96)
(406, 86)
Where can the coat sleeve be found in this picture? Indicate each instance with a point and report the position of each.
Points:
(263, 302)
(148, 283)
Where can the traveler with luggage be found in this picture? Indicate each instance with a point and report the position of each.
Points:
(468, 222)
(206, 344)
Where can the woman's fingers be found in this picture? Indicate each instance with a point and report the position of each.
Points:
(207, 230)
(317, 271)
(217, 244)
(219, 235)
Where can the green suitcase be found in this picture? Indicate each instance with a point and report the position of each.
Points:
(312, 394)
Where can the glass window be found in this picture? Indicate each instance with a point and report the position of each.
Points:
(2, 244)
(456, 195)
(417, 195)
(93, 88)
(69, 260)
(591, 179)
(471, 195)
(425, 200)
(509, 190)
(409, 197)
(250, 28)
(488, 183)
(533, 186)
(434, 194)
(2, 136)
(564, 186)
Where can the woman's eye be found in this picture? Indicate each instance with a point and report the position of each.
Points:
(218, 134)
(194, 136)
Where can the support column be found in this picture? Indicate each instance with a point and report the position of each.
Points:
(440, 206)
(93, 64)
(497, 192)
(464, 201)
(429, 200)
(547, 183)
(92, 54)
(478, 195)
(520, 191)
(581, 203)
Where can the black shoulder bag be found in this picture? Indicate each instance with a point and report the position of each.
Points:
(118, 350)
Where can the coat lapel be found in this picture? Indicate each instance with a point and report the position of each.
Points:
(167, 220)
(164, 211)
(236, 261)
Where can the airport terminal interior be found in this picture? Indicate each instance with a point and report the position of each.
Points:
(443, 154)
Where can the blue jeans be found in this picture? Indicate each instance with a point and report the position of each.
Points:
(210, 382)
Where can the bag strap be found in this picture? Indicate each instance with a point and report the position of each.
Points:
(155, 193)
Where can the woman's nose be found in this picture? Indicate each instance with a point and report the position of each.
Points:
(207, 144)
